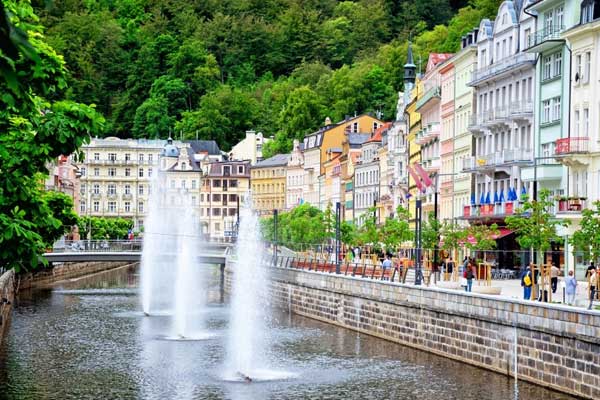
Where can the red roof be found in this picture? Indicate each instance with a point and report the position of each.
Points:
(377, 134)
(436, 58)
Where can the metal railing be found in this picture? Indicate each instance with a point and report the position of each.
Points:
(97, 245)
(501, 66)
(551, 32)
(572, 145)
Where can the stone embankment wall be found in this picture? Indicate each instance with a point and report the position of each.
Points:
(7, 297)
(47, 276)
(557, 347)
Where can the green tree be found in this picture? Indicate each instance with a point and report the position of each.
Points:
(430, 232)
(587, 238)
(534, 224)
(396, 230)
(104, 228)
(483, 237)
(35, 131)
(453, 236)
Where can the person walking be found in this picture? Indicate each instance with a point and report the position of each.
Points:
(526, 282)
(554, 272)
(589, 270)
(468, 275)
(593, 283)
(570, 288)
(386, 265)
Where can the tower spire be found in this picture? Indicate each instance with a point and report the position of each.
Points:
(409, 67)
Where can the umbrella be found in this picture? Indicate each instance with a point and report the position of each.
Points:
(482, 199)
(472, 199)
(487, 199)
(496, 198)
(502, 197)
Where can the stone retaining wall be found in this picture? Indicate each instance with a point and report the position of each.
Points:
(47, 276)
(557, 346)
(7, 297)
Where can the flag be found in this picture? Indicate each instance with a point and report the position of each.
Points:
(487, 199)
(502, 197)
(472, 199)
(482, 198)
(496, 199)
(423, 174)
(416, 178)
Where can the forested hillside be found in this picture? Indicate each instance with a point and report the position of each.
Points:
(215, 68)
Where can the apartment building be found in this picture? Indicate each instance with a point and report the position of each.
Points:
(268, 180)
(223, 185)
(502, 123)
(366, 178)
(445, 181)
(250, 148)
(295, 177)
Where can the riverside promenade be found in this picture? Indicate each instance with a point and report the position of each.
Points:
(551, 345)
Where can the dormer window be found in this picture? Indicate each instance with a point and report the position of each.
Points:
(227, 170)
(183, 166)
(589, 11)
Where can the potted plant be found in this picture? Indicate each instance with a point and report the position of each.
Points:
(562, 203)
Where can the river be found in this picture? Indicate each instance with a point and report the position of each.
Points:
(87, 339)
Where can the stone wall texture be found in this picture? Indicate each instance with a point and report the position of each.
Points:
(7, 297)
(557, 346)
(45, 277)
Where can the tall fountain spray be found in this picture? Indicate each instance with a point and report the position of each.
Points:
(172, 280)
(249, 317)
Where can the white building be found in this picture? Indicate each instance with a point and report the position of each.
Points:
(502, 123)
(295, 177)
(250, 148)
(367, 178)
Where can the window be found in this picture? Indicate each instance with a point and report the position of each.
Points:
(127, 171)
(112, 171)
(577, 123)
(546, 111)
(587, 67)
(194, 200)
(141, 157)
(558, 64)
(586, 122)
(141, 172)
(127, 206)
(547, 68)
(547, 149)
(112, 206)
(112, 189)
(233, 198)
(141, 206)
(559, 18)
(83, 171)
(172, 183)
(149, 172)
(183, 166)
(232, 212)
(216, 197)
(183, 183)
(150, 158)
(202, 197)
(578, 69)
(96, 171)
(82, 189)
(82, 206)
(193, 184)
(227, 170)
(527, 37)
(96, 206)
(96, 189)
(216, 183)
(127, 189)
(141, 190)
(240, 169)
(112, 157)
(556, 109)
(96, 156)
(216, 212)
(127, 157)
(233, 183)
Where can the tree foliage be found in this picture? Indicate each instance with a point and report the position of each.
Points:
(215, 69)
(483, 237)
(36, 127)
(534, 223)
(587, 238)
(104, 228)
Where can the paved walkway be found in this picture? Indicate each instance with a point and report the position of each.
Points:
(511, 288)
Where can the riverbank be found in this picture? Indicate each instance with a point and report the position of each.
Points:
(556, 346)
(7, 298)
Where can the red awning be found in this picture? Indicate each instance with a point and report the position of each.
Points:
(502, 232)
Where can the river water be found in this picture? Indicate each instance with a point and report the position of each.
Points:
(88, 339)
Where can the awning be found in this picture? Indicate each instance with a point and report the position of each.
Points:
(502, 232)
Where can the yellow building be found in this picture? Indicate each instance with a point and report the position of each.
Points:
(414, 120)
(316, 145)
(332, 177)
(268, 182)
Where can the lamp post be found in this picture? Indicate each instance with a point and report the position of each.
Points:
(337, 237)
(275, 217)
(418, 219)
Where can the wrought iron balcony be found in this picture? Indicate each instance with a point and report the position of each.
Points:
(572, 145)
(551, 32)
(504, 65)
(431, 93)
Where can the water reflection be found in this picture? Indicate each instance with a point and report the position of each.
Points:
(92, 345)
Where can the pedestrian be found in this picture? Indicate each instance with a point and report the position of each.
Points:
(387, 265)
(589, 270)
(554, 272)
(526, 282)
(570, 288)
(468, 275)
(593, 281)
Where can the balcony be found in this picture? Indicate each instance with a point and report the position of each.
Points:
(499, 158)
(545, 38)
(503, 66)
(431, 165)
(428, 134)
(573, 151)
(127, 196)
(516, 156)
(496, 211)
(432, 93)
(521, 110)
(570, 208)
